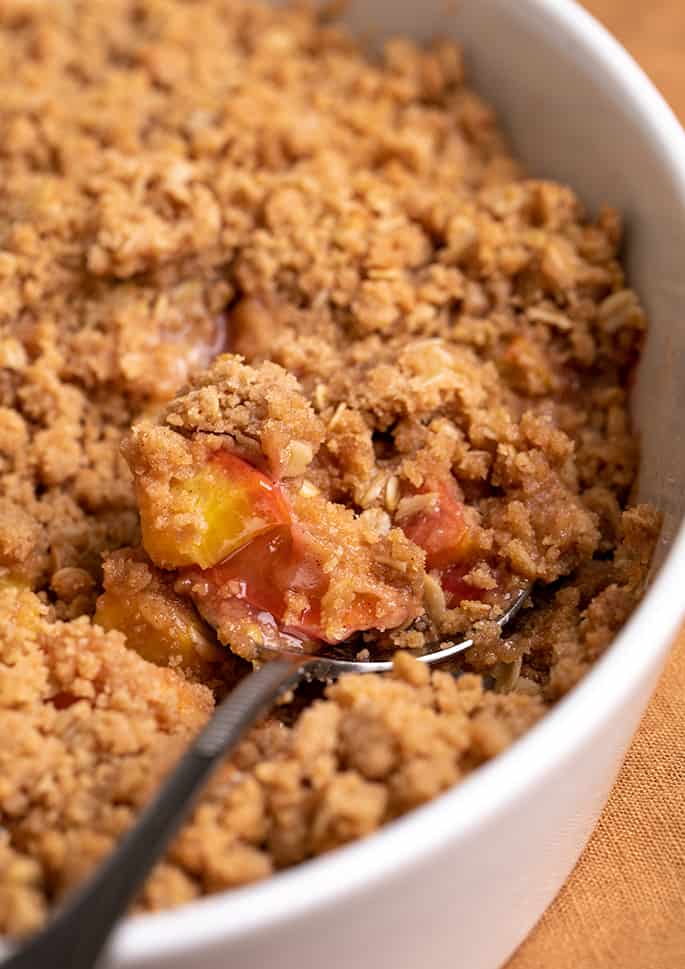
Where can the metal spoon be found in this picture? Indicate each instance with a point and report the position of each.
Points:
(78, 931)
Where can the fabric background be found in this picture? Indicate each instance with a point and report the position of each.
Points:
(624, 905)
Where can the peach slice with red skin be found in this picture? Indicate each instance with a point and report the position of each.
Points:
(238, 549)
(212, 513)
(159, 631)
(443, 533)
(456, 587)
(276, 574)
(240, 541)
(263, 575)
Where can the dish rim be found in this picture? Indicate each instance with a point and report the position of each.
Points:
(253, 909)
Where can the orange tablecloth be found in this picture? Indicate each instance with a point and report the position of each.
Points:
(624, 905)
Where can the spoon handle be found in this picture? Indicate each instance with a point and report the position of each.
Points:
(76, 935)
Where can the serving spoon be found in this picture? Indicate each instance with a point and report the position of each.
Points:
(78, 931)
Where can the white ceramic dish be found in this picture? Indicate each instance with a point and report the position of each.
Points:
(461, 881)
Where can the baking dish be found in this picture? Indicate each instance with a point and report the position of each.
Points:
(463, 879)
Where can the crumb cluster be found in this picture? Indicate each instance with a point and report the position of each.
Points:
(388, 301)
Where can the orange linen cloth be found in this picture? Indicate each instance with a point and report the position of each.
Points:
(624, 905)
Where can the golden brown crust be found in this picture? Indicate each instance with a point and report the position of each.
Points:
(88, 726)
(259, 412)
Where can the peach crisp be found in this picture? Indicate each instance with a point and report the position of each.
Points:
(293, 355)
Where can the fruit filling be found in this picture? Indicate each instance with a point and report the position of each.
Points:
(160, 625)
(287, 581)
(217, 509)
(240, 551)
(263, 554)
(440, 528)
(245, 507)
(276, 574)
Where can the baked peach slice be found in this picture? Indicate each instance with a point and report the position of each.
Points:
(161, 626)
(259, 560)
(270, 589)
(209, 512)
(440, 528)
(318, 579)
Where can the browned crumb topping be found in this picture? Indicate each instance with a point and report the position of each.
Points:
(401, 306)
(88, 728)
(91, 727)
(259, 411)
(569, 630)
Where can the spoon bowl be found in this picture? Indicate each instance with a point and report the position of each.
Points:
(331, 661)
